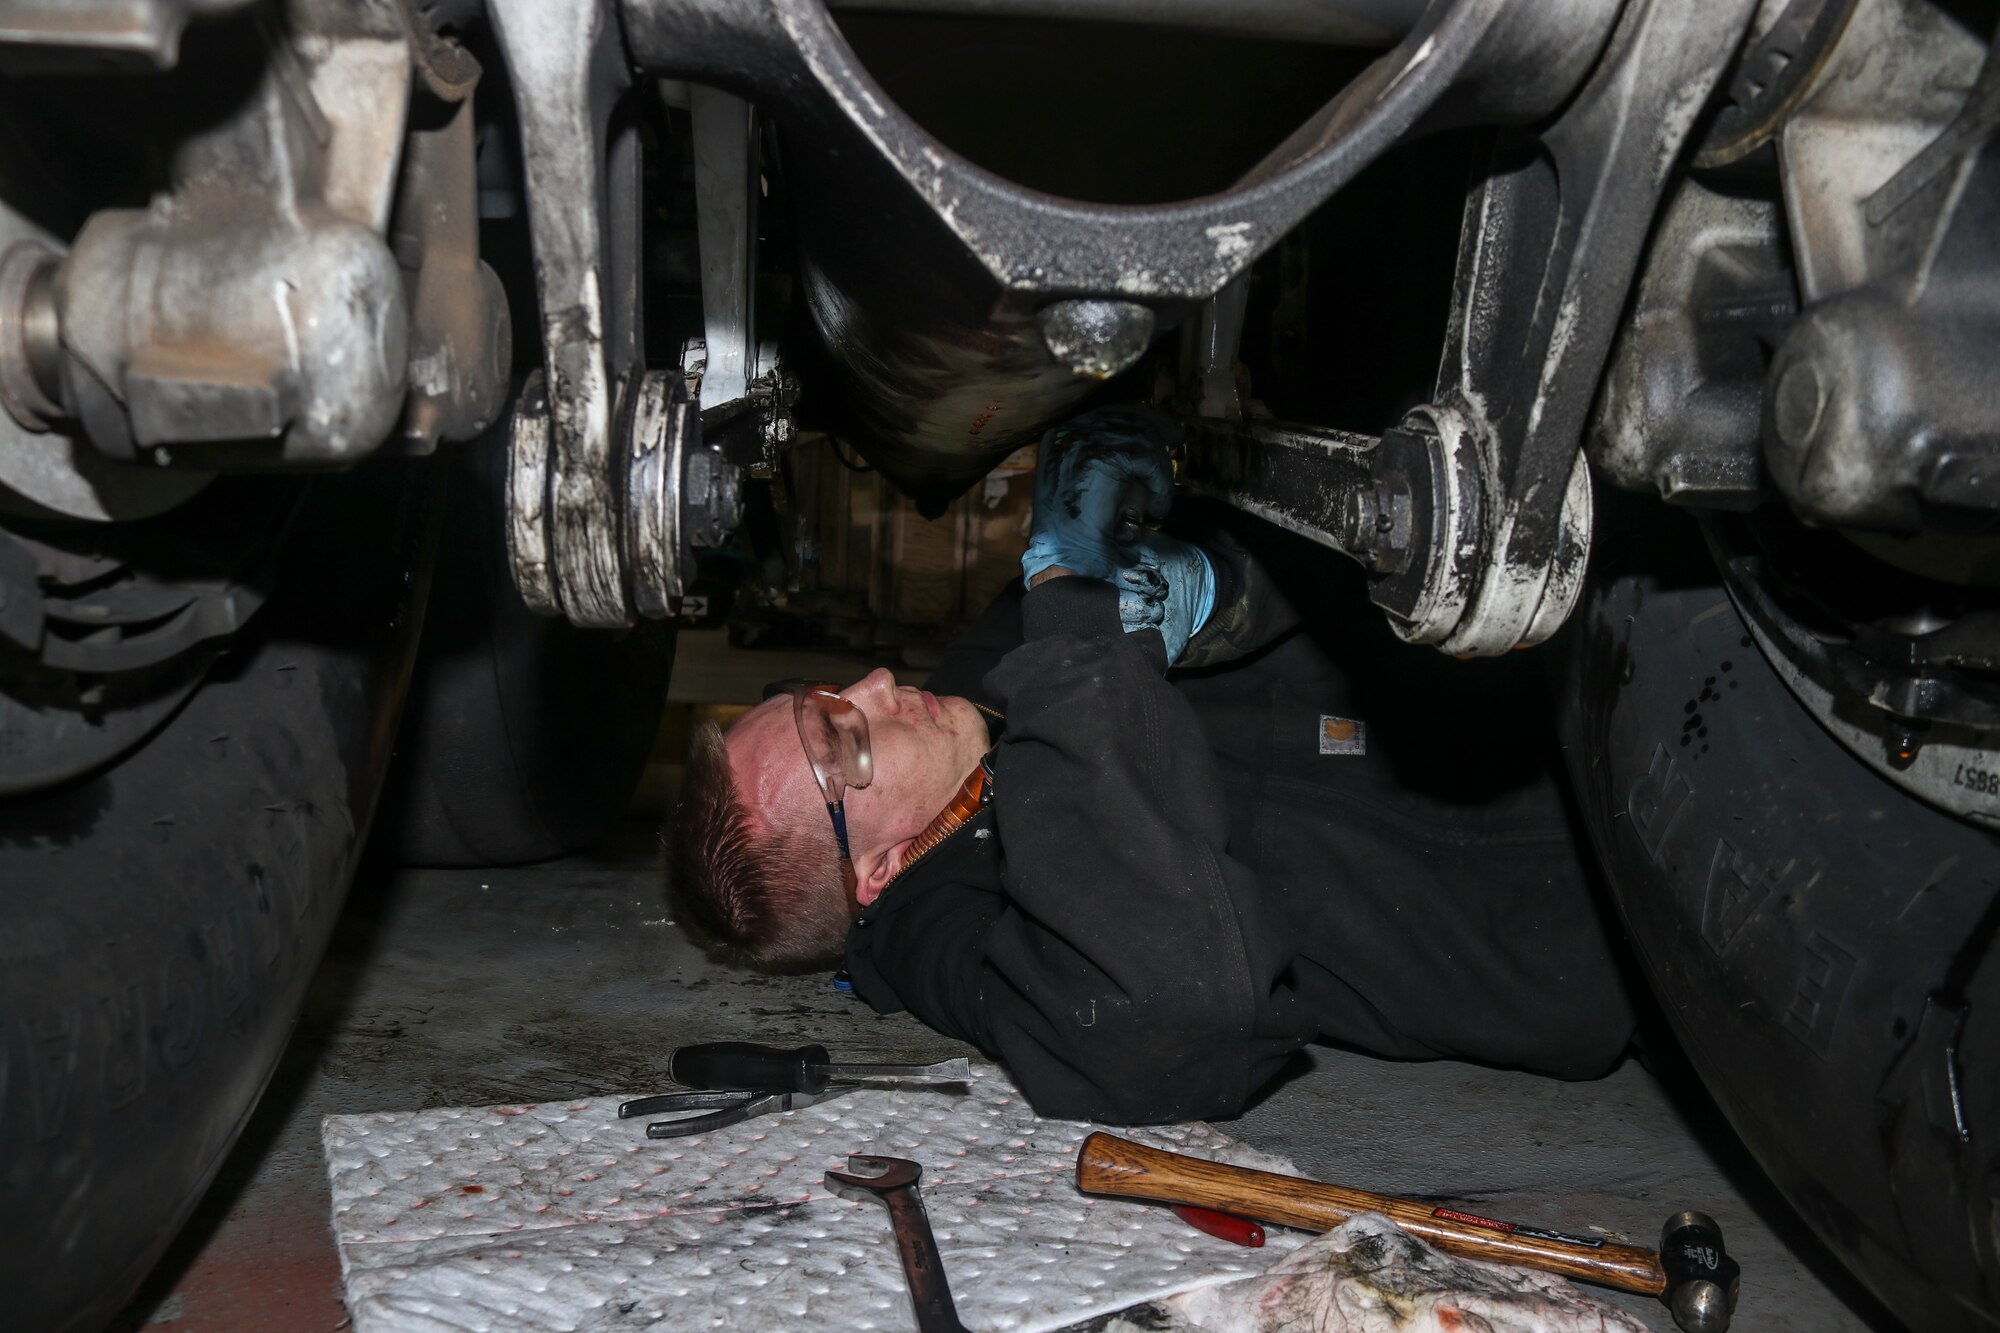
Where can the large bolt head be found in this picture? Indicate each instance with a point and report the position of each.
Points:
(1096, 339)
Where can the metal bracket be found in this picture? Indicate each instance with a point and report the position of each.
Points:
(1031, 242)
(611, 483)
(254, 314)
(935, 300)
(567, 72)
(1474, 513)
(663, 428)
(1209, 344)
(461, 332)
(89, 36)
(725, 192)
(1305, 479)
(1528, 340)
(1882, 407)
(1680, 415)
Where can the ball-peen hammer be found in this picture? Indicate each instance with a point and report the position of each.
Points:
(1690, 1272)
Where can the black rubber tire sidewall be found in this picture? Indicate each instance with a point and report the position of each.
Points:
(1795, 913)
(160, 918)
(525, 735)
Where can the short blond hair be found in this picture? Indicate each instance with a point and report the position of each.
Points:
(762, 891)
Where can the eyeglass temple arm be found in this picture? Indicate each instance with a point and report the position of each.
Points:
(837, 811)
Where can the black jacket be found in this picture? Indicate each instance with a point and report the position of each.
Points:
(1172, 887)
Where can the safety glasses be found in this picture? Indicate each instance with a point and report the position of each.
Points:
(834, 733)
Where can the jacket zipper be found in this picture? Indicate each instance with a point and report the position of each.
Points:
(972, 798)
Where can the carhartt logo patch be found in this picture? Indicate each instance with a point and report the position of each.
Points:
(1342, 735)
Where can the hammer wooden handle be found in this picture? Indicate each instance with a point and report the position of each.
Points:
(1107, 1164)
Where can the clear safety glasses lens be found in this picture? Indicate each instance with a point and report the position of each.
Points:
(834, 733)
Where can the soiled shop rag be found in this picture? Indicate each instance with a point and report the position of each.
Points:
(560, 1216)
(1368, 1276)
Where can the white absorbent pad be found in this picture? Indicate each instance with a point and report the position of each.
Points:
(1368, 1276)
(563, 1217)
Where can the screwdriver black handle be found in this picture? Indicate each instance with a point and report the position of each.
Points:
(747, 1066)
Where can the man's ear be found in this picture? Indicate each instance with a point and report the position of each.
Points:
(874, 870)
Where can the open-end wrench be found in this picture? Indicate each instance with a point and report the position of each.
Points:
(893, 1180)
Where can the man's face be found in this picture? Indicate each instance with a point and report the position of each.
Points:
(924, 747)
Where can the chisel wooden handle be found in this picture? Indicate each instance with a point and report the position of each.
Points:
(1107, 1164)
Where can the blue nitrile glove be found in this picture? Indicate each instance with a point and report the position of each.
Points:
(1169, 586)
(1085, 467)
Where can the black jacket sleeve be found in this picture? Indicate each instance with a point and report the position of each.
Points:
(963, 665)
(1250, 611)
(1121, 970)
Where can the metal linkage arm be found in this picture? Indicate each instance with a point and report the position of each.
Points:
(567, 71)
(967, 311)
(1551, 241)
(1031, 242)
(1315, 482)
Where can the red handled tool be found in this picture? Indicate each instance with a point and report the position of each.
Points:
(1223, 1226)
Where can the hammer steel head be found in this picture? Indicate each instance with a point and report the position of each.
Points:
(874, 1175)
(1702, 1279)
(1701, 1307)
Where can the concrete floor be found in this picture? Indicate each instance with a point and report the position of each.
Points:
(486, 986)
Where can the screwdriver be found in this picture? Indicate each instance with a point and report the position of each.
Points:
(747, 1066)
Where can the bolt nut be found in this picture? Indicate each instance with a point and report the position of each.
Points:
(1376, 527)
(1360, 524)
